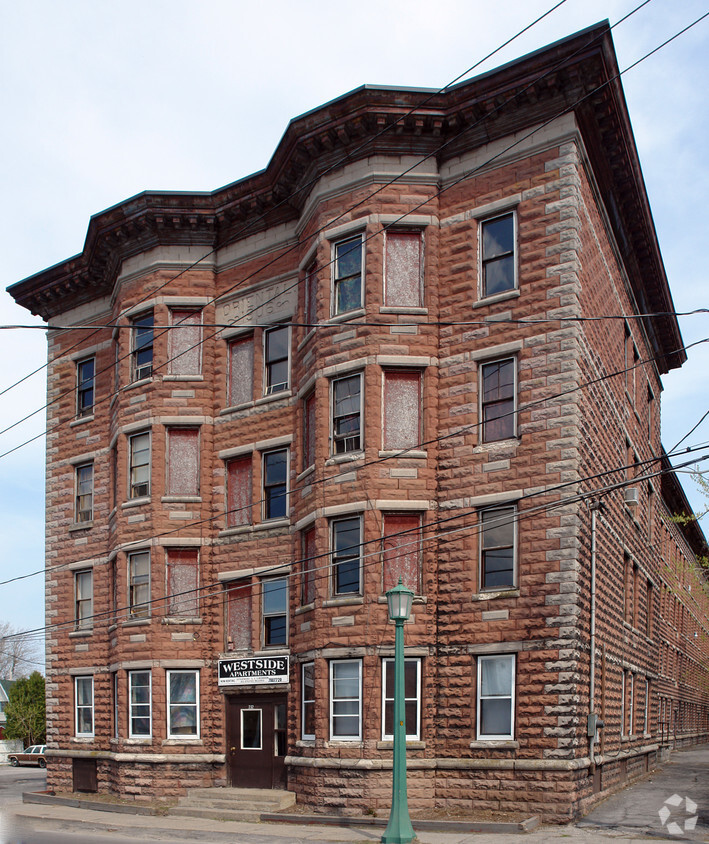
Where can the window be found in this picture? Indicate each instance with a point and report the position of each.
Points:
(139, 704)
(142, 351)
(276, 342)
(401, 543)
(139, 446)
(311, 293)
(139, 584)
(84, 511)
(649, 607)
(85, 372)
(309, 431)
(307, 727)
(275, 484)
(182, 462)
(346, 413)
(241, 371)
(402, 410)
(275, 611)
(346, 556)
(497, 548)
(184, 345)
(403, 271)
(497, 408)
(239, 492)
(347, 272)
(84, 706)
(183, 704)
(346, 700)
(114, 695)
(495, 705)
(238, 616)
(412, 699)
(84, 599)
(308, 554)
(497, 255)
(631, 703)
(182, 582)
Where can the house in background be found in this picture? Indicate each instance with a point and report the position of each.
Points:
(5, 686)
(426, 343)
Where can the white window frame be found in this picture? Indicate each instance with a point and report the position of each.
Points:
(416, 735)
(140, 373)
(138, 609)
(80, 680)
(336, 281)
(279, 386)
(132, 466)
(482, 263)
(334, 437)
(84, 386)
(511, 660)
(131, 704)
(80, 515)
(83, 620)
(334, 559)
(306, 701)
(266, 493)
(334, 701)
(481, 549)
(265, 615)
(170, 704)
(482, 404)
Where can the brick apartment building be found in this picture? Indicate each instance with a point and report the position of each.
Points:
(372, 360)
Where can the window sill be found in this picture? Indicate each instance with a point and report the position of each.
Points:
(82, 739)
(305, 608)
(176, 742)
(405, 453)
(355, 600)
(143, 382)
(346, 457)
(305, 473)
(504, 744)
(139, 742)
(181, 499)
(81, 634)
(493, 594)
(282, 394)
(235, 408)
(236, 531)
(81, 526)
(336, 318)
(175, 619)
(401, 309)
(418, 599)
(135, 502)
(272, 523)
(183, 378)
(136, 622)
(344, 742)
(498, 297)
(82, 420)
(411, 744)
(306, 339)
(305, 742)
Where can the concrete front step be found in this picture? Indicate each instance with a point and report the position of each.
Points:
(246, 804)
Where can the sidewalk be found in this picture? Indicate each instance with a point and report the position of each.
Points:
(632, 815)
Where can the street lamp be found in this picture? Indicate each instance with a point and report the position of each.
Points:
(399, 829)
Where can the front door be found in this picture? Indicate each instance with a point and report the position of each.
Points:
(256, 740)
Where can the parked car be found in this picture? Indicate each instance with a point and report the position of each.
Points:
(33, 755)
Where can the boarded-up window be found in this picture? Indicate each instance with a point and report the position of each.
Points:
(182, 581)
(403, 270)
(309, 431)
(402, 410)
(182, 461)
(309, 566)
(241, 371)
(238, 616)
(239, 492)
(402, 550)
(184, 347)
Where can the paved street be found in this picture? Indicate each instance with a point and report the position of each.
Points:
(633, 815)
(14, 781)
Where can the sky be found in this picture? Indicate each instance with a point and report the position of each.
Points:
(101, 101)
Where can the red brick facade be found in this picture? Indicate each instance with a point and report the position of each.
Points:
(376, 359)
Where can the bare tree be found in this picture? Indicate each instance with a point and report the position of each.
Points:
(20, 653)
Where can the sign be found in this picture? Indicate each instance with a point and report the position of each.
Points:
(261, 669)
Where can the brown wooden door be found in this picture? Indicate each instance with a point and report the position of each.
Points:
(256, 741)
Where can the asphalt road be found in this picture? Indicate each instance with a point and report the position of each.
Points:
(13, 781)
